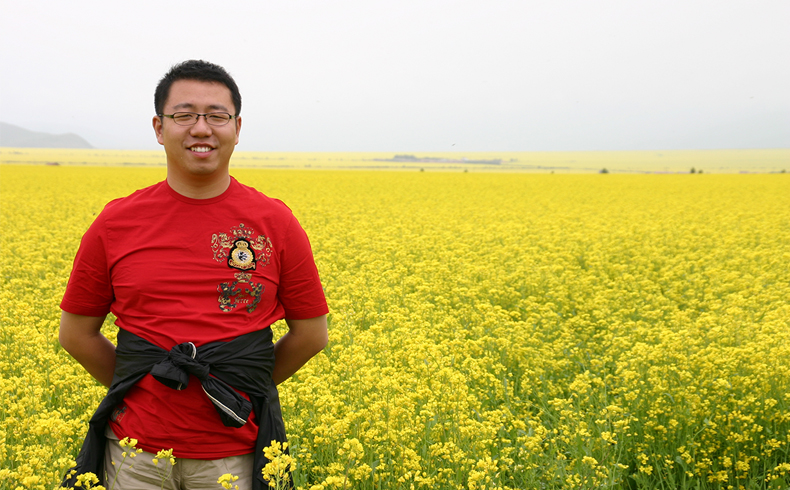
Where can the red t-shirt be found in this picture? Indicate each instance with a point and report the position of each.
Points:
(174, 269)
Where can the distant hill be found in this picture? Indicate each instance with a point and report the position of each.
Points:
(16, 137)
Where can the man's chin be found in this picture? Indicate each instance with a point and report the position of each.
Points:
(203, 168)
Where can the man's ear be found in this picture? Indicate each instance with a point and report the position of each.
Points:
(238, 128)
(158, 130)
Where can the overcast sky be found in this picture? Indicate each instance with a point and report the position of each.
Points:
(413, 75)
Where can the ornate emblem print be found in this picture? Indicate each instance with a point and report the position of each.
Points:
(240, 256)
(244, 251)
(240, 250)
(240, 292)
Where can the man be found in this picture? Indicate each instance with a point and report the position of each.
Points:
(195, 269)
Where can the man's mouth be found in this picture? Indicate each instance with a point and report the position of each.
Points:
(201, 149)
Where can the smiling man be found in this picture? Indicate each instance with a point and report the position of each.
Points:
(195, 268)
(198, 147)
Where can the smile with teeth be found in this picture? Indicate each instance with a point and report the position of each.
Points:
(201, 149)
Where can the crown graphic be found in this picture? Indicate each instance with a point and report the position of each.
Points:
(241, 231)
(243, 276)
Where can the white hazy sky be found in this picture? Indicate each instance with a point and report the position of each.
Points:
(413, 75)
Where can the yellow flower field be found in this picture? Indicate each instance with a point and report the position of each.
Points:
(487, 330)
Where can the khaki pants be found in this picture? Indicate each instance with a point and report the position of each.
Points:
(140, 473)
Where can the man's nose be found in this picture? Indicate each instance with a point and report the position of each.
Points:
(201, 126)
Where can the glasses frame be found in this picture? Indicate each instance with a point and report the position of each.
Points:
(205, 116)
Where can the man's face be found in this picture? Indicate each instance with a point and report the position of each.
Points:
(200, 151)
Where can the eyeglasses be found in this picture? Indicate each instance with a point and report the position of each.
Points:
(191, 118)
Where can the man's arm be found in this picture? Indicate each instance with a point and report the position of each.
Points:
(82, 338)
(303, 340)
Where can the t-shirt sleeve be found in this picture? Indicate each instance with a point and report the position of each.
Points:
(300, 291)
(89, 290)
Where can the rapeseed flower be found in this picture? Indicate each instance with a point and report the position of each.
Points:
(506, 331)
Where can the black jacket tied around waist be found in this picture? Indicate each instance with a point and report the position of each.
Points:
(244, 363)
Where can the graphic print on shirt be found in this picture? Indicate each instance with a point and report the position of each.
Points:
(241, 250)
(118, 413)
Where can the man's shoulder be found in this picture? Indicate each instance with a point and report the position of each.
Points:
(143, 195)
(140, 197)
(257, 197)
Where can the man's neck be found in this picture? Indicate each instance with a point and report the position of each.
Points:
(199, 189)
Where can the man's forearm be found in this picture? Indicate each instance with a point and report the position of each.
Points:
(304, 339)
(80, 337)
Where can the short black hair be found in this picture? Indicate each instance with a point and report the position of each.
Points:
(195, 70)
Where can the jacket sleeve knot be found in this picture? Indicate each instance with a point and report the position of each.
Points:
(182, 360)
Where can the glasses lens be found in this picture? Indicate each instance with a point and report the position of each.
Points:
(218, 118)
(184, 118)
